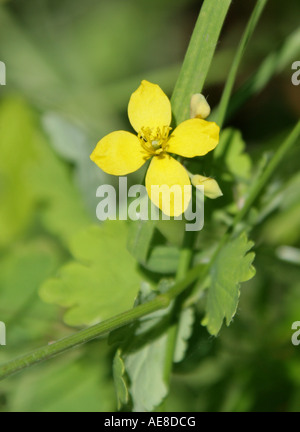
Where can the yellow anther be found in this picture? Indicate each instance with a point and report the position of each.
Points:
(154, 142)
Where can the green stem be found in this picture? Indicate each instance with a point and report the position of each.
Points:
(223, 107)
(199, 56)
(271, 168)
(84, 336)
(185, 255)
(183, 267)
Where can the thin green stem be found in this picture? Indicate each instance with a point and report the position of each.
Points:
(185, 255)
(84, 336)
(183, 267)
(256, 14)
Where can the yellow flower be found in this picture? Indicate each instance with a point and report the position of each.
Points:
(121, 153)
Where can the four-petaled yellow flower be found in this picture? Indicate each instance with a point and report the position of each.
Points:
(149, 111)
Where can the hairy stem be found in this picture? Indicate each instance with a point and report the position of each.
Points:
(84, 336)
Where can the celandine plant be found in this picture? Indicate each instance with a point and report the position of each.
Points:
(149, 296)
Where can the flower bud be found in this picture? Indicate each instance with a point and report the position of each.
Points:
(211, 188)
(199, 106)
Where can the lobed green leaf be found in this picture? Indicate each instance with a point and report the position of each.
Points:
(232, 266)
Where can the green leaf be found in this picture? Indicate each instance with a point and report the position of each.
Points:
(62, 210)
(282, 227)
(232, 266)
(72, 144)
(258, 186)
(231, 151)
(163, 259)
(173, 230)
(199, 56)
(79, 382)
(139, 239)
(31, 174)
(17, 152)
(121, 385)
(101, 282)
(145, 369)
(22, 271)
(278, 197)
(185, 329)
(143, 352)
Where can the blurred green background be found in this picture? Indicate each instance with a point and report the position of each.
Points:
(71, 67)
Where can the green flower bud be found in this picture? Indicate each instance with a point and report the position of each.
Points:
(211, 188)
(199, 106)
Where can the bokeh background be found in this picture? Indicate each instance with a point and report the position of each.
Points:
(71, 67)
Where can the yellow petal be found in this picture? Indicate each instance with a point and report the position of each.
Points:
(211, 188)
(194, 137)
(168, 185)
(119, 153)
(149, 107)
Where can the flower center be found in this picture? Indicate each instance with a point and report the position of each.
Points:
(154, 141)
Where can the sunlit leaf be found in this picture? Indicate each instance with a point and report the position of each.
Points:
(103, 279)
